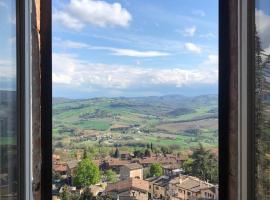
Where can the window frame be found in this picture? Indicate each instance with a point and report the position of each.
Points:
(46, 97)
(227, 71)
(20, 95)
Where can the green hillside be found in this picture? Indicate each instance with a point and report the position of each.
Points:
(173, 120)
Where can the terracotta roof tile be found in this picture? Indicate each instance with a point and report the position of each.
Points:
(128, 184)
(133, 166)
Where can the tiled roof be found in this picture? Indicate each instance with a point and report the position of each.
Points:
(161, 160)
(194, 184)
(117, 162)
(133, 166)
(60, 168)
(160, 181)
(72, 164)
(131, 183)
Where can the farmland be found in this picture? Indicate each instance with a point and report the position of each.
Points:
(174, 121)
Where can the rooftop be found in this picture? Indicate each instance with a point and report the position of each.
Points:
(131, 183)
(133, 166)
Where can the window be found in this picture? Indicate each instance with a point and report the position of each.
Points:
(8, 102)
(5, 119)
(262, 100)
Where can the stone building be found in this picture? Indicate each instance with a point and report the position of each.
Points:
(129, 189)
(132, 170)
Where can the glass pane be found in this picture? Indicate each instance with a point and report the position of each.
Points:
(262, 136)
(8, 109)
(135, 87)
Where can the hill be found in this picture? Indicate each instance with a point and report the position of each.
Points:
(133, 122)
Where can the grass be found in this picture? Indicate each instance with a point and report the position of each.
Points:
(67, 116)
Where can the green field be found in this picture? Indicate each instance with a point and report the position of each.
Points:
(174, 121)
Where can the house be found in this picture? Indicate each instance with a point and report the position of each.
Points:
(191, 188)
(129, 189)
(55, 158)
(167, 160)
(96, 190)
(158, 187)
(114, 164)
(125, 155)
(72, 165)
(132, 170)
(61, 169)
(172, 170)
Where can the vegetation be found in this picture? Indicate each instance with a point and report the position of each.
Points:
(203, 164)
(156, 170)
(87, 173)
(111, 176)
(156, 123)
(66, 194)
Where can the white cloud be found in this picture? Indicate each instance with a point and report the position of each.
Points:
(98, 13)
(192, 47)
(7, 68)
(263, 27)
(189, 31)
(262, 21)
(68, 69)
(212, 60)
(199, 13)
(135, 53)
(208, 35)
(67, 20)
(115, 51)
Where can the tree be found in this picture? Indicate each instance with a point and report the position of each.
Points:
(116, 153)
(138, 153)
(165, 150)
(147, 153)
(66, 194)
(111, 176)
(151, 146)
(85, 154)
(87, 173)
(202, 164)
(156, 170)
(87, 194)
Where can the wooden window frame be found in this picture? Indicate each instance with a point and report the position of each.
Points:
(230, 150)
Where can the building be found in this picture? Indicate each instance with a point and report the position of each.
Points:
(132, 170)
(167, 160)
(114, 164)
(191, 188)
(96, 190)
(158, 187)
(61, 169)
(129, 189)
(72, 165)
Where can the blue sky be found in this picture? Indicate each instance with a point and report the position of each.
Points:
(129, 47)
(134, 48)
(8, 45)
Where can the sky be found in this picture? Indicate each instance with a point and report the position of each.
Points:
(7, 45)
(134, 48)
(129, 47)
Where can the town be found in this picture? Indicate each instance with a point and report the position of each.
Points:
(126, 176)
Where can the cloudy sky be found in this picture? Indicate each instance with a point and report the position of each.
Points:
(129, 47)
(134, 47)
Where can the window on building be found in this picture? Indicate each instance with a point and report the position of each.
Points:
(8, 102)
(137, 78)
(262, 100)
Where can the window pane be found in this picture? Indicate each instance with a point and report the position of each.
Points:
(8, 128)
(262, 117)
(135, 87)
